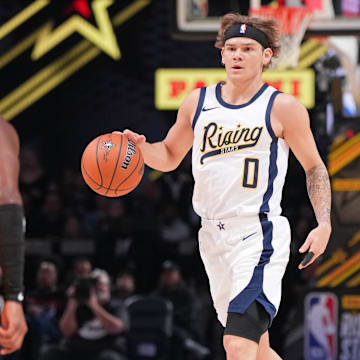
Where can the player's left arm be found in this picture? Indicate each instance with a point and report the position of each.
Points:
(295, 125)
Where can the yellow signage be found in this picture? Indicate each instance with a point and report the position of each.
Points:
(172, 85)
(351, 302)
(340, 184)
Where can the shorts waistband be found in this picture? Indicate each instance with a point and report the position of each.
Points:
(238, 220)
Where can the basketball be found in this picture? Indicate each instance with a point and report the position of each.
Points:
(112, 165)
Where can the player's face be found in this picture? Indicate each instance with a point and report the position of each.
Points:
(243, 56)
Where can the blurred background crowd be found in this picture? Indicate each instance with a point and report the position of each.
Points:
(143, 244)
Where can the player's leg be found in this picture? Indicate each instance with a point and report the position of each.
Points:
(265, 352)
(239, 348)
(243, 332)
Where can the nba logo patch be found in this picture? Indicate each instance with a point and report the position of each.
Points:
(321, 319)
(243, 28)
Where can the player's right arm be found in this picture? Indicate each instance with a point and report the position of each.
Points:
(167, 154)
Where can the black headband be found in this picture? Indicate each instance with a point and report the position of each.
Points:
(244, 30)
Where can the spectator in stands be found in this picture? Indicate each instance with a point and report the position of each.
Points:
(174, 231)
(93, 217)
(185, 309)
(89, 323)
(53, 216)
(43, 306)
(73, 227)
(124, 286)
(81, 267)
(33, 178)
(112, 228)
(75, 193)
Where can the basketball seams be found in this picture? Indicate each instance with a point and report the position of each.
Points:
(135, 185)
(116, 165)
(104, 187)
(97, 161)
(87, 174)
(139, 157)
(97, 167)
(127, 190)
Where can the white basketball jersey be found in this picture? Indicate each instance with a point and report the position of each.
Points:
(238, 163)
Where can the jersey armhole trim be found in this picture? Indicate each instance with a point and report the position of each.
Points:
(199, 107)
(268, 114)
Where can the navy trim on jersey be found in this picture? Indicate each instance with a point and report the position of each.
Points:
(268, 113)
(199, 107)
(230, 106)
(273, 171)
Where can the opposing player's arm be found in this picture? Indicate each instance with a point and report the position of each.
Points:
(166, 155)
(12, 243)
(295, 123)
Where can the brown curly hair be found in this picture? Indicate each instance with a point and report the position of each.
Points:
(268, 26)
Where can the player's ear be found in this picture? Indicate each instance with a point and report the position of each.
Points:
(267, 55)
(220, 53)
(221, 56)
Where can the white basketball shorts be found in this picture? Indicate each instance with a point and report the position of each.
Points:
(245, 260)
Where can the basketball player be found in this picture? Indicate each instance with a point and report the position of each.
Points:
(12, 247)
(240, 132)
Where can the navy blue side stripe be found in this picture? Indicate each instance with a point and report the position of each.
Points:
(199, 107)
(254, 290)
(268, 113)
(273, 170)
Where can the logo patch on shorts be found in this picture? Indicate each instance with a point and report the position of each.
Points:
(221, 225)
(247, 236)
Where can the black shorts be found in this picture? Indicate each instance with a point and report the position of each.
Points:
(250, 325)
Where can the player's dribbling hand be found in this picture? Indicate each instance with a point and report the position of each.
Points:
(315, 244)
(137, 138)
(13, 327)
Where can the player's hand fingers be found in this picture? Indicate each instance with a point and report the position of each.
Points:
(137, 138)
(117, 132)
(11, 339)
(307, 260)
(5, 335)
(15, 345)
(11, 347)
(6, 341)
(306, 245)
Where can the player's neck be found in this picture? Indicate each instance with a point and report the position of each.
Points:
(237, 93)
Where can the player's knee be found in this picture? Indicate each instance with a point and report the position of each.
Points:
(238, 348)
(267, 354)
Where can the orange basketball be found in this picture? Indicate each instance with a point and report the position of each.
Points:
(112, 165)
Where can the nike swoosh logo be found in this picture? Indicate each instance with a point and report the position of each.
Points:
(204, 109)
(245, 237)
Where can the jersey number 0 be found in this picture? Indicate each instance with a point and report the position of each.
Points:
(251, 172)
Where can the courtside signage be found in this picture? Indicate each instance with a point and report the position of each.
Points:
(321, 324)
(172, 85)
